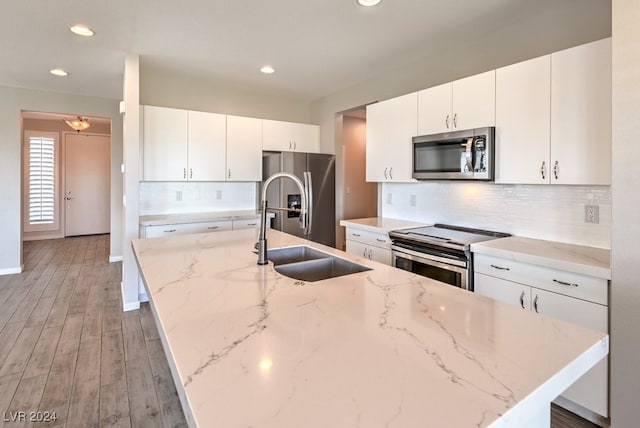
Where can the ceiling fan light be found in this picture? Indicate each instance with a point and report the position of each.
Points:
(78, 124)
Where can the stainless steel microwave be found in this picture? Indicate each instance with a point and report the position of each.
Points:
(460, 155)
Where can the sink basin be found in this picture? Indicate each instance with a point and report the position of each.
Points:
(300, 253)
(308, 264)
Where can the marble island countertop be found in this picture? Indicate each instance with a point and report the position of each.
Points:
(249, 347)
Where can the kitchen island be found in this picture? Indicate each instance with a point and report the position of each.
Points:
(249, 347)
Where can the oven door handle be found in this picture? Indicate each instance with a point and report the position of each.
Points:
(426, 258)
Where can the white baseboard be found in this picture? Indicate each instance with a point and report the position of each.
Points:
(131, 306)
(143, 297)
(113, 259)
(11, 271)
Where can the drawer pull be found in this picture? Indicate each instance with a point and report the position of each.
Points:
(535, 304)
(565, 283)
(381, 240)
(252, 224)
(213, 227)
(522, 300)
(170, 231)
(355, 234)
(500, 267)
(370, 253)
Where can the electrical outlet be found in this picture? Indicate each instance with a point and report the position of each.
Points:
(412, 200)
(389, 198)
(592, 213)
(178, 195)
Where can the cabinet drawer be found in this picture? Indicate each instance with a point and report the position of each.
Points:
(557, 281)
(185, 228)
(250, 223)
(380, 240)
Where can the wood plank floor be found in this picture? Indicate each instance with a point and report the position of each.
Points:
(67, 347)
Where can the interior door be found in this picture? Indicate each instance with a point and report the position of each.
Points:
(87, 184)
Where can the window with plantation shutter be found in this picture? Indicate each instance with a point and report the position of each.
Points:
(40, 181)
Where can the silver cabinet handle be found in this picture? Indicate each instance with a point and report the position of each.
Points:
(535, 304)
(290, 145)
(500, 267)
(543, 170)
(294, 144)
(381, 240)
(228, 174)
(190, 172)
(170, 231)
(355, 234)
(565, 283)
(213, 227)
(364, 253)
(446, 121)
(370, 254)
(252, 224)
(522, 300)
(184, 173)
(385, 173)
(455, 120)
(391, 173)
(556, 169)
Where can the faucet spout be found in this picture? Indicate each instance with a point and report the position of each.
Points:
(304, 209)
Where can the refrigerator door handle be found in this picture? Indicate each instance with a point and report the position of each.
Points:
(308, 185)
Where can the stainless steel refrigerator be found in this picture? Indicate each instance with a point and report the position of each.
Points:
(284, 193)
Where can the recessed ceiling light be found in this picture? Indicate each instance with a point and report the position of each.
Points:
(81, 30)
(58, 72)
(267, 69)
(368, 2)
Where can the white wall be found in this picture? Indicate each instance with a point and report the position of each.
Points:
(12, 102)
(194, 197)
(535, 211)
(170, 89)
(625, 237)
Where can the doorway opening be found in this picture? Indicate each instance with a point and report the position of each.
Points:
(359, 197)
(66, 188)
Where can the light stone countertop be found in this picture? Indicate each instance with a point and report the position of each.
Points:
(249, 347)
(164, 219)
(380, 224)
(590, 261)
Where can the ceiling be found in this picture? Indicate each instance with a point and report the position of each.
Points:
(317, 47)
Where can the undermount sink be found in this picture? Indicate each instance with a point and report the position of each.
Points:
(308, 264)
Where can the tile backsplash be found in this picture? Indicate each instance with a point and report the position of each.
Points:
(191, 197)
(549, 212)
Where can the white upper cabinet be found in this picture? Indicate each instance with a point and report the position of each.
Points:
(462, 104)
(553, 118)
(164, 144)
(244, 149)
(391, 125)
(206, 146)
(523, 109)
(581, 114)
(289, 137)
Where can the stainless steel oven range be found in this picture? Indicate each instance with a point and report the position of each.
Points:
(440, 252)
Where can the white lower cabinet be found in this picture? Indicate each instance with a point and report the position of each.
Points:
(186, 228)
(571, 297)
(374, 246)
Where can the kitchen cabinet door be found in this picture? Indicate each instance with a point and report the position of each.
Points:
(502, 290)
(244, 149)
(164, 156)
(590, 390)
(289, 137)
(370, 252)
(581, 114)
(391, 125)
(473, 101)
(522, 122)
(434, 110)
(206, 146)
